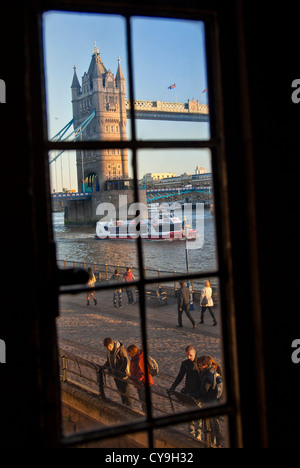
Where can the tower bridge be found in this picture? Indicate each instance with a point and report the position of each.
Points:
(100, 113)
(191, 111)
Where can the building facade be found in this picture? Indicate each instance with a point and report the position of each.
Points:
(101, 91)
(151, 176)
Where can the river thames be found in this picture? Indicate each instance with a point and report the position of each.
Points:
(79, 244)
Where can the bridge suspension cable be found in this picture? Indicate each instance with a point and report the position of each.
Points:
(73, 136)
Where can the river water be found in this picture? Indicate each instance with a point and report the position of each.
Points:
(78, 244)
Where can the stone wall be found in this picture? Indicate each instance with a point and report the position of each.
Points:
(84, 211)
(83, 411)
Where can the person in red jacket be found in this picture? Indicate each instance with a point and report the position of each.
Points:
(137, 372)
(128, 278)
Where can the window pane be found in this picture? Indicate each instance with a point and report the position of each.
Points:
(170, 79)
(203, 433)
(186, 372)
(86, 223)
(95, 384)
(87, 53)
(180, 201)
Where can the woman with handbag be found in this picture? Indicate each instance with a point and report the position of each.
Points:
(91, 284)
(206, 302)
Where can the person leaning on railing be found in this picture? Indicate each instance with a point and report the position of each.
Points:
(119, 366)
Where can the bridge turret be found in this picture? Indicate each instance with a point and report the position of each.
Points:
(104, 92)
(120, 85)
(120, 80)
(76, 88)
(76, 92)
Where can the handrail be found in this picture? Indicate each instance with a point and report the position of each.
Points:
(104, 271)
(92, 377)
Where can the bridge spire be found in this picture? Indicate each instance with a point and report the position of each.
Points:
(96, 49)
(119, 74)
(75, 82)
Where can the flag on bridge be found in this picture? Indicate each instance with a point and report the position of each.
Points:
(172, 86)
(205, 91)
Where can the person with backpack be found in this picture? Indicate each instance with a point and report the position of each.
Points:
(211, 388)
(210, 393)
(119, 366)
(138, 372)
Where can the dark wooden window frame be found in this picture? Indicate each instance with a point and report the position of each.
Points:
(227, 273)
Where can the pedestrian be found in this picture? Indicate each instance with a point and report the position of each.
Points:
(138, 373)
(119, 366)
(211, 388)
(184, 304)
(190, 370)
(116, 277)
(128, 278)
(206, 302)
(209, 393)
(91, 284)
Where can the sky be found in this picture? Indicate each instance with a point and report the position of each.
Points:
(164, 52)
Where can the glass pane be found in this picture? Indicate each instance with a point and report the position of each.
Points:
(186, 341)
(202, 433)
(86, 223)
(171, 98)
(86, 71)
(179, 234)
(94, 331)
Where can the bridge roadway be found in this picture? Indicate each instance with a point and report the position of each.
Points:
(191, 111)
(82, 329)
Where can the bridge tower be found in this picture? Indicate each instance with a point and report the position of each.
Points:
(103, 91)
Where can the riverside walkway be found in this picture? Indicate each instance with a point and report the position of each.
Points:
(81, 330)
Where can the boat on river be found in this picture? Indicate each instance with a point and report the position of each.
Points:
(161, 227)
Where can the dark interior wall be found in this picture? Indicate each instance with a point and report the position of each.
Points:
(28, 383)
(271, 43)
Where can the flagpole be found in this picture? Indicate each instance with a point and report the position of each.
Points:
(176, 92)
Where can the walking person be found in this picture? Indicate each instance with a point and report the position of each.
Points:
(184, 304)
(128, 278)
(138, 373)
(116, 277)
(119, 366)
(206, 302)
(91, 284)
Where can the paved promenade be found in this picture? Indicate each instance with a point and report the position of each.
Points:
(82, 329)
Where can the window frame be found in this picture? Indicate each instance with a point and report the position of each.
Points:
(216, 144)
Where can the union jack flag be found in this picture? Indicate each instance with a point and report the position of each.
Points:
(172, 86)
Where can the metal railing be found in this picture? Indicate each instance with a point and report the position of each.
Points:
(104, 271)
(93, 378)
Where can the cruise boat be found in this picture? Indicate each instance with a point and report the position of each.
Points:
(162, 227)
